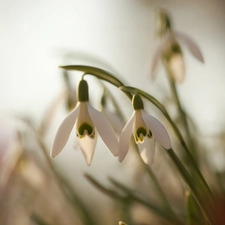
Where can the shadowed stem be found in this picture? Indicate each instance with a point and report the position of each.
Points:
(66, 189)
(181, 111)
(104, 75)
(158, 188)
(207, 211)
(134, 198)
(109, 77)
(176, 130)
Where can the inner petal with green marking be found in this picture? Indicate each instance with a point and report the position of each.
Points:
(140, 133)
(140, 129)
(85, 129)
(84, 124)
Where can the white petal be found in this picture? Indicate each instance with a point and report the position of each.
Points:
(116, 122)
(156, 58)
(147, 150)
(87, 146)
(192, 46)
(104, 129)
(124, 141)
(158, 130)
(177, 67)
(160, 51)
(64, 131)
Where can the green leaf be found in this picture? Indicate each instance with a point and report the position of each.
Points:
(194, 213)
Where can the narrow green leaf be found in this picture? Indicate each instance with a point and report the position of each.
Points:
(177, 132)
(188, 180)
(194, 213)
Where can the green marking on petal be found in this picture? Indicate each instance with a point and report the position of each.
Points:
(176, 48)
(149, 135)
(141, 133)
(85, 129)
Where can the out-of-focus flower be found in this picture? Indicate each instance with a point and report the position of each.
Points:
(170, 50)
(87, 120)
(122, 223)
(146, 129)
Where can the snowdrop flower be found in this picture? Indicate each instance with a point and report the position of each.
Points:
(146, 130)
(87, 121)
(170, 50)
(122, 223)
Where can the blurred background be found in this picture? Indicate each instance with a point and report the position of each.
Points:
(119, 36)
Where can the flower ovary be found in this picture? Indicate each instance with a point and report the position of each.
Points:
(83, 91)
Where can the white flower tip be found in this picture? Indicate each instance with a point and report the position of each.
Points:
(121, 157)
(122, 223)
(167, 143)
(88, 163)
(192, 46)
(53, 153)
(88, 159)
(115, 150)
(52, 156)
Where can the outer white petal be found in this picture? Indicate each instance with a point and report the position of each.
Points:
(192, 46)
(156, 58)
(160, 51)
(177, 67)
(116, 122)
(147, 150)
(124, 141)
(87, 146)
(64, 131)
(158, 130)
(104, 129)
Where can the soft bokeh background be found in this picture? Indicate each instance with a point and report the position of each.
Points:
(38, 36)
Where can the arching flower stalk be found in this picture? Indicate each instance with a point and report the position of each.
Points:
(87, 121)
(146, 130)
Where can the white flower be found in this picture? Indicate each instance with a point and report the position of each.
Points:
(170, 50)
(87, 121)
(146, 130)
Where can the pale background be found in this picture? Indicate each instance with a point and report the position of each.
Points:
(117, 36)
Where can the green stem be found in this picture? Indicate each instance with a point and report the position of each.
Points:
(129, 194)
(158, 188)
(99, 73)
(181, 111)
(104, 75)
(176, 130)
(188, 180)
(62, 184)
(192, 148)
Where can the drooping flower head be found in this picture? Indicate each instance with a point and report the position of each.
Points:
(88, 122)
(169, 50)
(146, 130)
